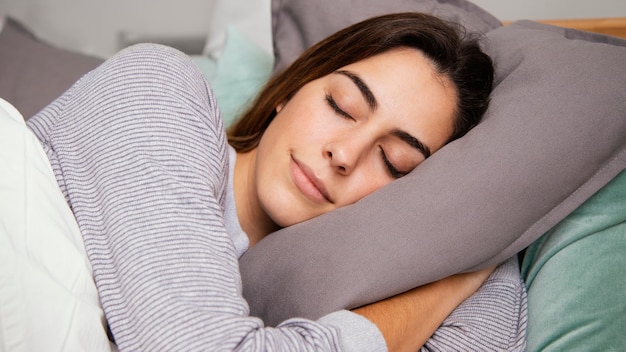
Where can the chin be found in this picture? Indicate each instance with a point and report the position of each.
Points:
(285, 219)
(286, 207)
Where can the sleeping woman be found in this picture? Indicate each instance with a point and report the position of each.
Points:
(167, 202)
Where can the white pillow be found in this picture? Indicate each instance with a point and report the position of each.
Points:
(253, 18)
(48, 299)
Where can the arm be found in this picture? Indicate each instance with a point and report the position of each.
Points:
(139, 151)
(409, 319)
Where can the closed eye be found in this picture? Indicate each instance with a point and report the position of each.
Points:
(333, 104)
(392, 169)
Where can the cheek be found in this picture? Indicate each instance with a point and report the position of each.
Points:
(363, 185)
(298, 121)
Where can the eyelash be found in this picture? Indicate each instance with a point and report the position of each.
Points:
(333, 105)
(392, 170)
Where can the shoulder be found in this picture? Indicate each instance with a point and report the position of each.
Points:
(165, 84)
(147, 105)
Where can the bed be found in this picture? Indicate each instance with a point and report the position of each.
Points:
(551, 186)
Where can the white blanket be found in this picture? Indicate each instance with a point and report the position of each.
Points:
(48, 299)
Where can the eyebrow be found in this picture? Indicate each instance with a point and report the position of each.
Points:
(365, 90)
(413, 142)
(373, 104)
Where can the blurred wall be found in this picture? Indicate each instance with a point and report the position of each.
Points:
(96, 27)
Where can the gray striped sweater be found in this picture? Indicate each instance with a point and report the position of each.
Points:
(139, 151)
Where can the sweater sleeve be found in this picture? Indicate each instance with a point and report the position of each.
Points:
(138, 149)
(493, 319)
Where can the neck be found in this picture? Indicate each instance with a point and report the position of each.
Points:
(253, 219)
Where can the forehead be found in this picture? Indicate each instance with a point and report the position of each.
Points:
(401, 69)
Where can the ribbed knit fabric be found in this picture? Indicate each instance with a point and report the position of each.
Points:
(138, 149)
(493, 319)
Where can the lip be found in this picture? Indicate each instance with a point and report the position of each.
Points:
(309, 184)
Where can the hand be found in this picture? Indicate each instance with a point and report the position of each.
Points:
(407, 320)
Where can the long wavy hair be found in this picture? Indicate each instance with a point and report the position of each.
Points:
(454, 53)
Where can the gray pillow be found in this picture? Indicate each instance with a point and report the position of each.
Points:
(555, 133)
(297, 25)
(34, 73)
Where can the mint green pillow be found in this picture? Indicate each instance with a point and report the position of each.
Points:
(576, 277)
(238, 75)
(241, 71)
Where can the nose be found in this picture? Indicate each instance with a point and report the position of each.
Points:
(344, 154)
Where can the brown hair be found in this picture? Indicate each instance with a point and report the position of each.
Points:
(455, 55)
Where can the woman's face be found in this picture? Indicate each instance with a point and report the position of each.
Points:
(345, 135)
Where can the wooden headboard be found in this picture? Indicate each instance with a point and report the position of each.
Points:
(612, 26)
